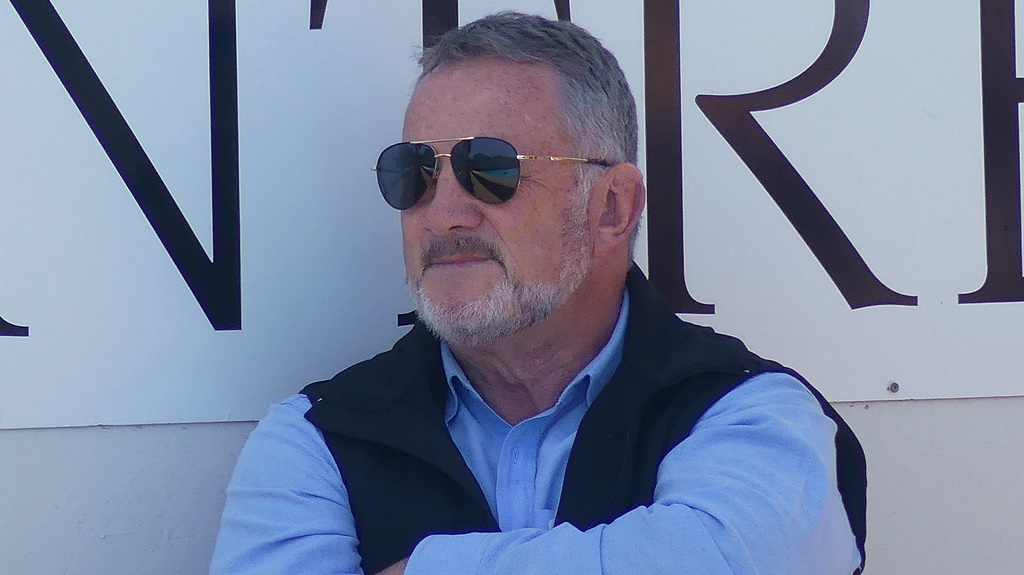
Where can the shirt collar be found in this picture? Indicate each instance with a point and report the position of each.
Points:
(592, 378)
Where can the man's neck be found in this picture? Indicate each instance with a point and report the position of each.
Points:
(525, 373)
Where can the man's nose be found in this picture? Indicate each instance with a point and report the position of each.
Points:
(447, 205)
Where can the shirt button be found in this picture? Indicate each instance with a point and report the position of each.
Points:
(515, 455)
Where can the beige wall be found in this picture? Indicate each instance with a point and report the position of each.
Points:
(946, 492)
(127, 500)
(945, 485)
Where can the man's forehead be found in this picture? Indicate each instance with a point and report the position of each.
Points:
(483, 94)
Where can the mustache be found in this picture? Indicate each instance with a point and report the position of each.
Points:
(447, 247)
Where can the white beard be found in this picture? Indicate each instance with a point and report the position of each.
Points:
(511, 305)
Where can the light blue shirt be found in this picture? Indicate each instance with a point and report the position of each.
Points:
(520, 467)
(752, 490)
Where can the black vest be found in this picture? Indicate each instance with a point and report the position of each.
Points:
(383, 422)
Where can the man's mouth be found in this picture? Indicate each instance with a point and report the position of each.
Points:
(459, 251)
(457, 259)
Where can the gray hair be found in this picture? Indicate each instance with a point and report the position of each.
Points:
(597, 105)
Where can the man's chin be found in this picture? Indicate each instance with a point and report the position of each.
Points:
(503, 309)
(454, 322)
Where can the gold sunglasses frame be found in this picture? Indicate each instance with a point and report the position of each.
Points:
(592, 161)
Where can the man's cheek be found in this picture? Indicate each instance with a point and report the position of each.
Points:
(412, 259)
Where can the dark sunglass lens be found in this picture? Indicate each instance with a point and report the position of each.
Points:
(404, 171)
(487, 168)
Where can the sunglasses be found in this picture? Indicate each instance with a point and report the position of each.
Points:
(487, 168)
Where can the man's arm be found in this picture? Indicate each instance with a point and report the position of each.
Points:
(752, 490)
(287, 509)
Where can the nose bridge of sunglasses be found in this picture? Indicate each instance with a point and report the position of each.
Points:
(459, 157)
(434, 168)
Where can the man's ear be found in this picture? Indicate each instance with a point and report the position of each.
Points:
(619, 197)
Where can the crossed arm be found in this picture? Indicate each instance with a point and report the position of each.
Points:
(752, 490)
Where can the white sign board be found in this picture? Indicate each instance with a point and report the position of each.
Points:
(109, 303)
(895, 148)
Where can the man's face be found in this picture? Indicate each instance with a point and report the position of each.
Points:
(481, 271)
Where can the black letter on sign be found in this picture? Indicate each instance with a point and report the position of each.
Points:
(665, 155)
(562, 10)
(439, 16)
(1001, 94)
(732, 116)
(11, 330)
(317, 10)
(216, 284)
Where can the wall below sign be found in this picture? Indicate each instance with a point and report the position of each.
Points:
(944, 494)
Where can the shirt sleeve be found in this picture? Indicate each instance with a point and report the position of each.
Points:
(287, 509)
(752, 490)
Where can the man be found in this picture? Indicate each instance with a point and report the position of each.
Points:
(547, 413)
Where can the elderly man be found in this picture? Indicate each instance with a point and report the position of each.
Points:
(547, 413)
